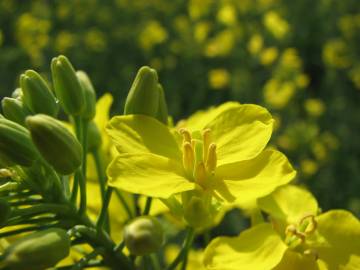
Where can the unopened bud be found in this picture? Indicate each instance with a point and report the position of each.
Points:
(89, 95)
(37, 251)
(55, 143)
(14, 110)
(143, 235)
(16, 146)
(162, 113)
(94, 137)
(4, 211)
(37, 95)
(143, 97)
(67, 86)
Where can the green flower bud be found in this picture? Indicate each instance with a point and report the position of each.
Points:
(55, 143)
(89, 95)
(162, 113)
(16, 146)
(143, 97)
(37, 251)
(14, 110)
(37, 95)
(5, 211)
(67, 86)
(94, 137)
(143, 235)
(17, 93)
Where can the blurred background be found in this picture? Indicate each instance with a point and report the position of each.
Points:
(300, 59)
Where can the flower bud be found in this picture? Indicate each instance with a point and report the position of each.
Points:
(37, 251)
(55, 143)
(37, 95)
(16, 146)
(94, 137)
(162, 113)
(89, 95)
(67, 86)
(4, 211)
(143, 235)
(14, 110)
(17, 93)
(143, 97)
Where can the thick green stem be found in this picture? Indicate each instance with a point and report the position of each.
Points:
(124, 203)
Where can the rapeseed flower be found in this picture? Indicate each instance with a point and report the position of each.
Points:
(211, 158)
(296, 238)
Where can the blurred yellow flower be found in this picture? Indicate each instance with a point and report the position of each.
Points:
(278, 94)
(335, 54)
(276, 25)
(354, 75)
(221, 45)
(268, 56)
(198, 8)
(330, 140)
(1, 37)
(95, 40)
(152, 34)
(227, 15)
(315, 107)
(218, 78)
(64, 40)
(302, 80)
(309, 167)
(201, 31)
(290, 59)
(255, 44)
(319, 150)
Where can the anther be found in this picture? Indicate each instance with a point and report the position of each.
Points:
(188, 157)
(186, 134)
(308, 224)
(211, 158)
(207, 140)
(200, 174)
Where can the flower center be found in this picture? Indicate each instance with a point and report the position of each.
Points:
(199, 156)
(297, 234)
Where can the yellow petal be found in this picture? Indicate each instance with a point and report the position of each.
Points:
(148, 174)
(248, 180)
(200, 119)
(241, 132)
(258, 248)
(285, 204)
(296, 261)
(142, 134)
(340, 231)
(101, 118)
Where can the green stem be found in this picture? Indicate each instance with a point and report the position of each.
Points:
(82, 185)
(41, 208)
(84, 142)
(26, 229)
(182, 256)
(147, 206)
(85, 260)
(102, 217)
(124, 203)
(155, 261)
(100, 172)
(75, 189)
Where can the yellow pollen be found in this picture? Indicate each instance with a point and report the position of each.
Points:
(188, 157)
(211, 158)
(186, 134)
(200, 174)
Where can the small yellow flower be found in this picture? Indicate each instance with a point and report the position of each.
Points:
(297, 239)
(219, 78)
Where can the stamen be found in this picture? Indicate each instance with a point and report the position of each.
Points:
(207, 140)
(312, 253)
(186, 134)
(200, 174)
(188, 157)
(198, 149)
(211, 158)
(308, 224)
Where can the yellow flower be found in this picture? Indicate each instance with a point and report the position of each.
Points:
(268, 56)
(218, 154)
(276, 25)
(314, 107)
(219, 78)
(297, 239)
